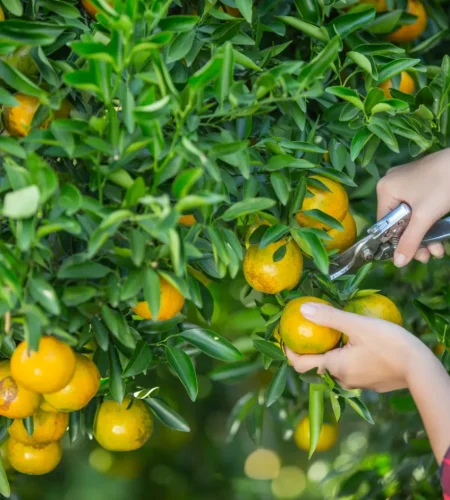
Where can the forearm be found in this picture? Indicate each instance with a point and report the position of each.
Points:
(429, 385)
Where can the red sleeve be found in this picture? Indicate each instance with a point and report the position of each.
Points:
(445, 475)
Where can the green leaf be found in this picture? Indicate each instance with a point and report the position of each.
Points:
(152, 292)
(277, 162)
(312, 245)
(246, 207)
(70, 199)
(272, 234)
(298, 197)
(325, 218)
(140, 361)
(235, 371)
(5, 489)
(211, 344)
(435, 320)
(76, 295)
(74, 426)
(316, 393)
(89, 270)
(16, 9)
(179, 24)
(21, 204)
(101, 334)
(359, 141)
(360, 409)
(116, 382)
(395, 67)
(314, 69)
(306, 27)
(348, 23)
(18, 81)
(245, 8)
(281, 186)
(277, 385)
(182, 365)
(117, 326)
(361, 60)
(386, 22)
(44, 293)
(166, 415)
(348, 95)
(239, 413)
(269, 349)
(308, 9)
(12, 147)
(383, 131)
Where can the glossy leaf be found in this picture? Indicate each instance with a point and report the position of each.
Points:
(182, 365)
(211, 344)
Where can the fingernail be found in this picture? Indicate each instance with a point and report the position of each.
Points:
(399, 259)
(308, 310)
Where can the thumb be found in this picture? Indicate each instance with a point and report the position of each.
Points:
(353, 325)
(411, 239)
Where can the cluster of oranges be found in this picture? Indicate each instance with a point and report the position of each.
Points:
(266, 275)
(47, 385)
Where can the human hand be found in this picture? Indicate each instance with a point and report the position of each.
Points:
(379, 355)
(424, 185)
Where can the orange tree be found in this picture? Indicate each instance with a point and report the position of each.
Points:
(144, 138)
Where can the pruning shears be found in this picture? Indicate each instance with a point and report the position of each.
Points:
(382, 240)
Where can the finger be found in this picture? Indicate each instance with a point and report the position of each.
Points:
(385, 202)
(422, 255)
(437, 250)
(411, 239)
(305, 362)
(353, 325)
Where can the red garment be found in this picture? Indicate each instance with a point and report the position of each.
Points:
(445, 475)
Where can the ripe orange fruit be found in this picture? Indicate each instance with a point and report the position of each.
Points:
(438, 349)
(89, 8)
(380, 5)
(119, 429)
(267, 276)
(409, 32)
(21, 60)
(258, 223)
(171, 303)
(47, 370)
(17, 119)
(48, 427)
(333, 203)
(233, 11)
(15, 400)
(328, 435)
(342, 239)
(407, 85)
(187, 220)
(47, 407)
(81, 388)
(375, 306)
(64, 111)
(34, 460)
(303, 336)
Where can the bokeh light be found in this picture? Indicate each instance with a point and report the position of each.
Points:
(262, 464)
(290, 482)
(101, 460)
(318, 470)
